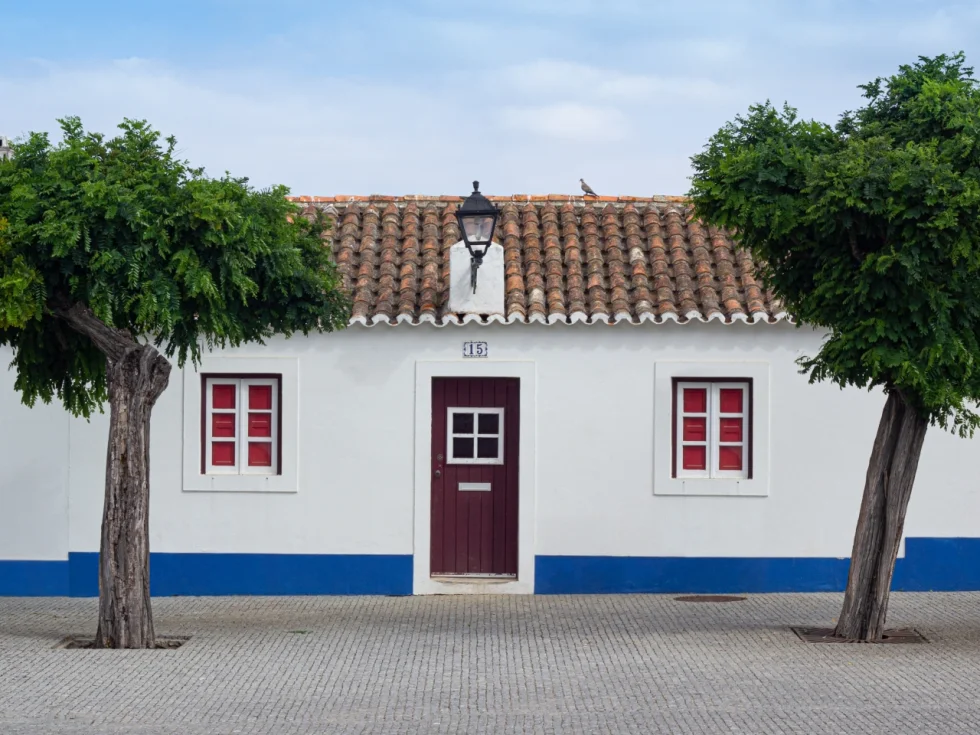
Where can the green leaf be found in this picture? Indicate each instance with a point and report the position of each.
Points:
(869, 229)
(153, 246)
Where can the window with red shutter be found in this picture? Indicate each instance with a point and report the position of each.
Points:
(241, 425)
(711, 432)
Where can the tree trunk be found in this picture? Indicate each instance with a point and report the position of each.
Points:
(887, 488)
(137, 374)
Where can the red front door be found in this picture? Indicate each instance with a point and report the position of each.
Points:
(475, 432)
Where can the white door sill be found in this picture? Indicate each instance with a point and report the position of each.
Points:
(474, 578)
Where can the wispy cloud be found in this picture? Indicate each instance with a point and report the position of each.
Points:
(423, 96)
(569, 121)
(555, 78)
(272, 129)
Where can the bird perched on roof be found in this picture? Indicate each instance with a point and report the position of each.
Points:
(587, 189)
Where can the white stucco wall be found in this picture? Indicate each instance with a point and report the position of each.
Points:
(33, 476)
(593, 466)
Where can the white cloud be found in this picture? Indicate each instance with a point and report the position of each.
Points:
(904, 30)
(620, 92)
(568, 121)
(563, 78)
(315, 134)
(328, 135)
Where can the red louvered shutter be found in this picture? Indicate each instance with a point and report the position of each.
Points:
(260, 420)
(224, 418)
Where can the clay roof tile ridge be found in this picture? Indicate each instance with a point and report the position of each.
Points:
(567, 259)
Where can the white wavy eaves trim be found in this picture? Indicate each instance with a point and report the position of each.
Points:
(573, 318)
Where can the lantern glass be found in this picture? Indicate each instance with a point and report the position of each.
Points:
(478, 228)
(477, 217)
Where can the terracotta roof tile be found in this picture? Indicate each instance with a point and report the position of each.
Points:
(566, 259)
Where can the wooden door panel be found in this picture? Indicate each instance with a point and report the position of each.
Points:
(474, 531)
(512, 444)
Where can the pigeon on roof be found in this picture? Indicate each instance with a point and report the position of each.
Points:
(587, 189)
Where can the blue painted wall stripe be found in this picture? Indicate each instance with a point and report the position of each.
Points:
(707, 575)
(940, 564)
(221, 574)
(33, 578)
(259, 574)
(930, 564)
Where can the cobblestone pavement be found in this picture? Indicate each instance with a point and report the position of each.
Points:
(616, 664)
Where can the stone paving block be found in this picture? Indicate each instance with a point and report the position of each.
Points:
(495, 664)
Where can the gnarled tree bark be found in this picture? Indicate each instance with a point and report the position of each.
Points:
(887, 488)
(137, 375)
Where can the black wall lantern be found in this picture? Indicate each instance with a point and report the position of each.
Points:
(477, 219)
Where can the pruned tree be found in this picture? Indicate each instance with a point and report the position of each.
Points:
(117, 258)
(870, 229)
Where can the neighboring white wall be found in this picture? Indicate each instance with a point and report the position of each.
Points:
(33, 476)
(355, 473)
(594, 458)
(597, 490)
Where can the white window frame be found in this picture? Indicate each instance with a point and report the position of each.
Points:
(713, 416)
(241, 439)
(477, 412)
(289, 416)
(669, 372)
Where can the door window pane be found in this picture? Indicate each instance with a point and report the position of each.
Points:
(462, 423)
(489, 423)
(462, 447)
(487, 448)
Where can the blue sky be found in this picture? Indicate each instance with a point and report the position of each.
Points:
(423, 96)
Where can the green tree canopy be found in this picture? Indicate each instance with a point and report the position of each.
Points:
(869, 229)
(151, 246)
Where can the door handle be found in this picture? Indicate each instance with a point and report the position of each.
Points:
(438, 473)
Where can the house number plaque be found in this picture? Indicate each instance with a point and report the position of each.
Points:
(475, 349)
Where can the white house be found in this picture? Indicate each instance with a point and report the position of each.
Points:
(616, 409)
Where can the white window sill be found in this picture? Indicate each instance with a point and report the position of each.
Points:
(239, 484)
(708, 486)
